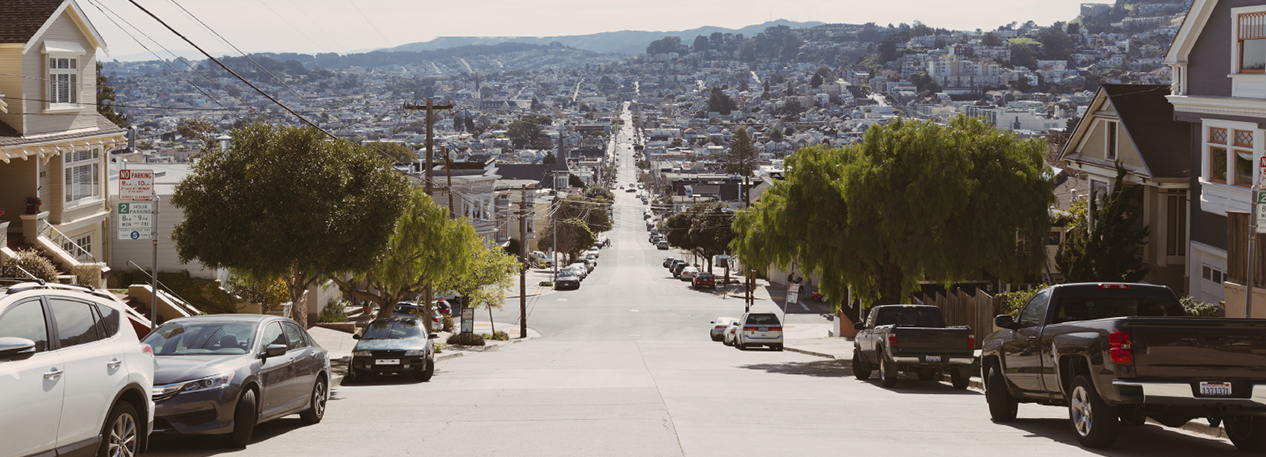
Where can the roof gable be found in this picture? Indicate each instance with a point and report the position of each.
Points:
(25, 21)
(1162, 143)
(1190, 30)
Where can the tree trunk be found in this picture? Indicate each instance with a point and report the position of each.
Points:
(890, 292)
(298, 301)
(491, 323)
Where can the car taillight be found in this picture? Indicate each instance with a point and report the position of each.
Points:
(1119, 347)
(749, 329)
(1113, 286)
(971, 340)
(147, 349)
(892, 340)
(775, 329)
(719, 326)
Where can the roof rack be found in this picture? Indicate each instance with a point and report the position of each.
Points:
(16, 285)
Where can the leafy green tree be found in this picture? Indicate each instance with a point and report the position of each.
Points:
(1104, 243)
(489, 274)
(1056, 44)
(591, 210)
(914, 201)
(775, 135)
(198, 129)
(573, 236)
(1023, 55)
(720, 103)
(105, 100)
(549, 159)
(526, 132)
(426, 248)
(255, 209)
(395, 151)
(991, 39)
(741, 159)
(704, 229)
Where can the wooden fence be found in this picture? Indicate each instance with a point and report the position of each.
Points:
(1237, 251)
(977, 311)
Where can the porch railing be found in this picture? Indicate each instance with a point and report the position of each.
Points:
(166, 290)
(62, 241)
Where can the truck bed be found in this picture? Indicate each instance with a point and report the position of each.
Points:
(1224, 349)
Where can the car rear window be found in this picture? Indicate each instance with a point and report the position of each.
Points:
(762, 319)
(910, 317)
(1078, 305)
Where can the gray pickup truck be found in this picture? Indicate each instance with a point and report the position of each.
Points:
(913, 339)
(1117, 354)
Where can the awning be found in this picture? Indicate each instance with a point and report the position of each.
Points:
(63, 47)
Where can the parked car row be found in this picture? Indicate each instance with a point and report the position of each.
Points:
(750, 329)
(569, 277)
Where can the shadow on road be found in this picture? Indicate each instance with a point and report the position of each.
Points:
(916, 386)
(818, 368)
(202, 446)
(1144, 440)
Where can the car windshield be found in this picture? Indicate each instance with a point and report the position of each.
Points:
(762, 319)
(392, 329)
(197, 338)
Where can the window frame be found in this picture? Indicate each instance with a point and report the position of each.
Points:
(70, 176)
(52, 73)
(1111, 140)
(1256, 31)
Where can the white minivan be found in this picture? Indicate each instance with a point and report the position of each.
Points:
(74, 377)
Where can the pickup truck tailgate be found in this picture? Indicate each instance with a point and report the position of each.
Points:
(915, 340)
(1214, 348)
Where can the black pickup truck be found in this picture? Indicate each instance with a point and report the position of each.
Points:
(1117, 354)
(913, 339)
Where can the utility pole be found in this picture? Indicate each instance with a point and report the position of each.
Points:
(523, 262)
(430, 152)
(448, 166)
(750, 283)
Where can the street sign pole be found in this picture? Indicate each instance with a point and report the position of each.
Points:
(153, 308)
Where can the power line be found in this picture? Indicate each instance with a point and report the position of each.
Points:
(226, 68)
(371, 24)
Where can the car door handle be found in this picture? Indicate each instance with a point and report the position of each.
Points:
(1031, 338)
(53, 374)
(114, 364)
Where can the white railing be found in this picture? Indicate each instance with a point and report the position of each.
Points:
(62, 241)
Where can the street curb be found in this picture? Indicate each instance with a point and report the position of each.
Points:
(812, 353)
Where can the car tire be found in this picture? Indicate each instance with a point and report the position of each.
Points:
(960, 378)
(777, 347)
(1002, 406)
(1247, 433)
(244, 417)
(739, 345)
(887, 373)
(426, 372)
(1093, 420)
(121, 432)
(316, 411)
(861, 369)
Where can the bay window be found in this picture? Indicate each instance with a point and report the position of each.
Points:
(82, 175)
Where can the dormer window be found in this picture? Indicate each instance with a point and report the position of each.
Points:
(1251, 41)
(63, 74)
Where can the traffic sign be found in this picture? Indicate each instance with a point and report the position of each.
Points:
(793, 293)
(136, 185)
(136, 220)
(468, 320)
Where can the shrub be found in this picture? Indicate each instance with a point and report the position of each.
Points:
(448, 323)
(498, 336)
(466, 339)
(546, 284)
(1197, 308)
(336, 311)
(84, 274)
(439, 347)
(32, 262)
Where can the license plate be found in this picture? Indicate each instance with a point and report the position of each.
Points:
(1215, 389)
(933, 358)
(388, 361)
(764, 329)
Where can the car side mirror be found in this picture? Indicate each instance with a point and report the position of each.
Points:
(355, 336)
(433, 336)
(1004, 321)
(12, 348)
(274, 350)
(859, 326)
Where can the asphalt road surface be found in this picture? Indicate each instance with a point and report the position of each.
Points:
(625, 368)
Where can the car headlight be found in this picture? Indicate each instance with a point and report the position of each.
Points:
(207, 383)
(362, 354)
(415, 352)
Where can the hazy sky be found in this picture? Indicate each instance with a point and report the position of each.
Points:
(356, 25)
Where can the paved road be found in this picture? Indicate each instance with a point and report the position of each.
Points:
(625, 368)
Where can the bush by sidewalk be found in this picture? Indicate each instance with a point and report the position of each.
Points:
(498, 336)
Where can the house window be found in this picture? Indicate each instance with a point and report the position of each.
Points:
(1243, 138)
(63, 84)
(1252, 42)
(1217, 164)
(1244, 168)
(83, 175)
(1111, 148)
(85, 247)
(1176, 225)
(1099, 192)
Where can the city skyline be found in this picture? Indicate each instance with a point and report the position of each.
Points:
(346, 26)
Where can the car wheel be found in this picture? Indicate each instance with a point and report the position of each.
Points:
(121, 432)
(244, 418)
(426, 372)
(960, 378)
(887, 373)
(738, 344)
(861, 369)
(1002, 406)
(315, 412)
(1248, 433)
(1093, 420)
(777, 347)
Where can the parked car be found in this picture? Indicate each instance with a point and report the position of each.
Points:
(915, 340)
(567, 280)
(661, 245)
(394, 345)
(673, 264)
(719, 326)
(704, 280)
(592, 251)
(574, 270)
(668, 261)
(759, 329)
(688, 273)
(223, 374)
(677, 269)
(411, 309)
(731, 332)
(71, 367)
(1116, 354)
(591, 263)
(630, 190)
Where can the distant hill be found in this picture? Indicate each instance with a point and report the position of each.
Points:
(627, 42)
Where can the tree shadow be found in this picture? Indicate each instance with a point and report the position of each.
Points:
(817, 368)
(1144, 440)
(915, 386)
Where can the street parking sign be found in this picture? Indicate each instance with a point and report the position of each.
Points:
(136, 185)
(136, 220)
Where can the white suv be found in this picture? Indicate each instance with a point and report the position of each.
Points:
(74, 378)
